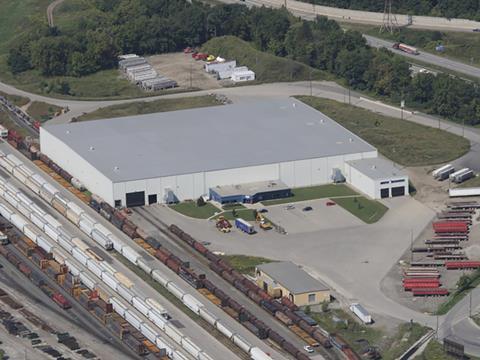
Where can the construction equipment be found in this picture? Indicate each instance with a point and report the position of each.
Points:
(223, 224)
(262, 222)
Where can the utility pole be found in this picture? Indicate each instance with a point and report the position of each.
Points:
(463, 127)
(470, 307)
(311, 91)
(402, 105)
(191, 75)
(411, 246)
(349, 99)
(436, 331)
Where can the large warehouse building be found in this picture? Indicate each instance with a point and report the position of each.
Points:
(163, 157)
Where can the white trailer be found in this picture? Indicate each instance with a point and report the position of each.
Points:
(436, 173)
(464, 192)
(361, 313)
(3, 131)
(461, 175)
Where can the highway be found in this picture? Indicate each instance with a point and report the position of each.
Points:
(309, 13)
(426, 57)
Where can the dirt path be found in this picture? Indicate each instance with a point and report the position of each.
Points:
(50, 10)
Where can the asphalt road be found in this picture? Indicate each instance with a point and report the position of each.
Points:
(426, 57)
(459, 327)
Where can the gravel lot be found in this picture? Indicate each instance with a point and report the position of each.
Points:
(178, 66)
(392, 284)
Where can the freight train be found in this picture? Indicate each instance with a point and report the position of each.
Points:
(89, 299)
(284, 310)
(105, 238)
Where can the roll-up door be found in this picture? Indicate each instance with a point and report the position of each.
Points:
(385, 193)
(398, 191)
(136, 199)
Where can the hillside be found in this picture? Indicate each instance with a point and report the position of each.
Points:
(267, 67)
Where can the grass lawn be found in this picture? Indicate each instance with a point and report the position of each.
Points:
(457, 295)
(142, 107)
(190, 208)
(233, 206)
(6, 121)
(462, 46)
(105, 84)
(314, 192)
(403, 142)
(434, 351)
(15, 99)
(245, 214)
(245, 264)
(42, 111)
(267, 67)
(390, 346)
(16, 15)
(369, 211)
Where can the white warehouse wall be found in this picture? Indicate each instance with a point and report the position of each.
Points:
(361, 182)
(371, 187)
(191, 186)
(74, 164)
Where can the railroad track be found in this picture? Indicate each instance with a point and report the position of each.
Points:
(19, 121)
(162, 227)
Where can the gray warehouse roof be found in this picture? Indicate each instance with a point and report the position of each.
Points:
(250, 188)
(207, 139)
(292, 277)
(377, 168)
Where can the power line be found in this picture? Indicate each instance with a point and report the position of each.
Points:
(390, 22)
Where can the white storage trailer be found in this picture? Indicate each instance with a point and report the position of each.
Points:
(361, 313)
(461, 175)
(464, 192)
(443, 172)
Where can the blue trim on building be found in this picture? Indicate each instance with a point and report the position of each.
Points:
(240, 198)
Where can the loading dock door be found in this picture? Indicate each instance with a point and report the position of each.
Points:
(398, 191)
(384, 193)
(136, 199)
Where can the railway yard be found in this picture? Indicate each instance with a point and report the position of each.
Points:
(445, 250)
(148, 282)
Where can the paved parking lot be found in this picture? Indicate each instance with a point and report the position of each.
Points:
(321, 217)
(352, 258)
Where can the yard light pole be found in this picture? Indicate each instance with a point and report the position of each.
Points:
(310, 82)
(470, 307)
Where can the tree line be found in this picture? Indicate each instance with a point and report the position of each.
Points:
(159, 26)
(465, 9)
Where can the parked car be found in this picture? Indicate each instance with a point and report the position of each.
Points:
(330, 203)
(476, 30)
(290, 207)
(308, 349)
(263, 211)
(307, 208)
